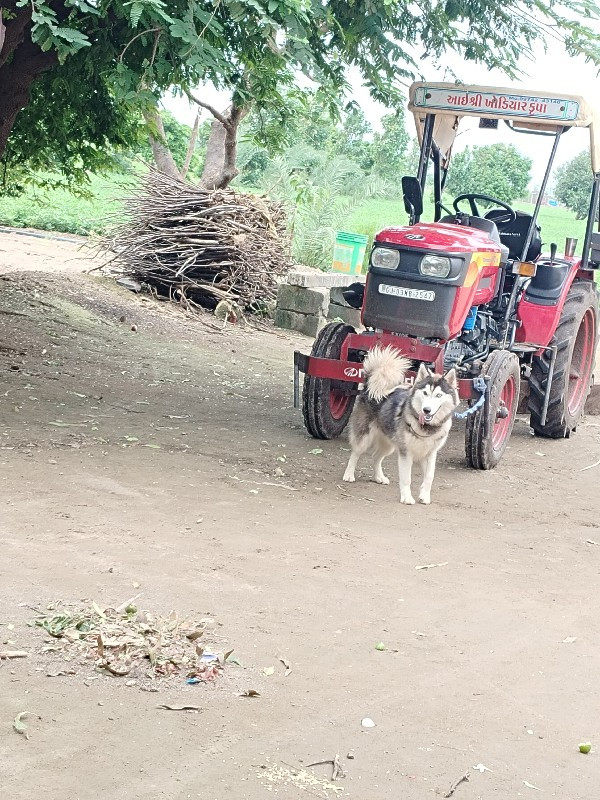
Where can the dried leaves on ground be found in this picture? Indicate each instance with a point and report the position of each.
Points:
(125, 641)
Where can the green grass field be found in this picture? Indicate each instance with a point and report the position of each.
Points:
(59, 210)
(556, 223)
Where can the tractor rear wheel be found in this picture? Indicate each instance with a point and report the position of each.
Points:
(326, 408)
(575, 339)
(488, 429)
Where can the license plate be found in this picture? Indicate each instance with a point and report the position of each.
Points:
(404, 291)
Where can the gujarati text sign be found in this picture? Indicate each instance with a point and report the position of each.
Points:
(504, 105)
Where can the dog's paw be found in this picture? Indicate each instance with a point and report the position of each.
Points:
(348, 478)
(382, 479)
(407, 499)
(425, 498)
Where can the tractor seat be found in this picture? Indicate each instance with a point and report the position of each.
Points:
(482, 224)
(513, 235)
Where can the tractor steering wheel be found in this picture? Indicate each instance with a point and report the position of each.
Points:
(508, 217)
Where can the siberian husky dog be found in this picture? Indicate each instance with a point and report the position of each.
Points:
(390, 416)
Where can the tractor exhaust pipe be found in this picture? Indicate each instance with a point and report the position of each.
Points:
(570, 246)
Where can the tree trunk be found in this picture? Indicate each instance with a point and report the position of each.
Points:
(163, 157)
(221, 151)
(21, 62)
(215, 155)
(191, 147)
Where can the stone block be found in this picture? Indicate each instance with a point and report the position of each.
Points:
(308, 324)
(351, 316)
(303, 300)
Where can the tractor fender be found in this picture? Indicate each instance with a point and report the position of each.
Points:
(538, 322)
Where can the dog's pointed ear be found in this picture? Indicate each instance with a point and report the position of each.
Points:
(422, 374)
(451, 379)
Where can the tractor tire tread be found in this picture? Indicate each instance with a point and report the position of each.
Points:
(559, 423)
(478, 433)
(315, 392)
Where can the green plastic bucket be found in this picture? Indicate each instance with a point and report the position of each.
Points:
(349, 252)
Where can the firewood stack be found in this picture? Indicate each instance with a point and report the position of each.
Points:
(199, 247)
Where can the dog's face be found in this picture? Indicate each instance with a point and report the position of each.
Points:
(434, 396)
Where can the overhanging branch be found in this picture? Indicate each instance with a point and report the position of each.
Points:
(216, 114)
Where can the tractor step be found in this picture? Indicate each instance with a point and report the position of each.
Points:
(525, 347)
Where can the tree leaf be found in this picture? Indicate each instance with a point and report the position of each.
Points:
(136, 11)
(18, 724)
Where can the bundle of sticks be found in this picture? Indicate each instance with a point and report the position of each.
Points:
(199, 247)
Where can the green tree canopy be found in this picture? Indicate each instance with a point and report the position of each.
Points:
(390, 147)
(352, 138)
(312, 122)
(573, 184)
(100, 63)
(498, 170)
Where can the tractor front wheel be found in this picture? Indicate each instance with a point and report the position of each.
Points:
(489, 428)
(575, 341)
(325, 406)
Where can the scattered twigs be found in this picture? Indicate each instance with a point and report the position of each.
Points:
(463, 779)
(337, 771)
(591, 466)
(198, 247)
(13, 654)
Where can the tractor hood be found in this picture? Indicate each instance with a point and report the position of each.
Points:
(401, 297)
(439, 236)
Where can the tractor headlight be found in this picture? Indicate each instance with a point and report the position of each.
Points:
(385, 258)
(435, 266)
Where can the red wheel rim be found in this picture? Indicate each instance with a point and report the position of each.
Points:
(580, 367)
(502, 426)
(338, 403)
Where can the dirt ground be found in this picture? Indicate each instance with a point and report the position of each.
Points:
(150, 462)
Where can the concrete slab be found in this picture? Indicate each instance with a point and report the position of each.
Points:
(308, 277)
(303, 300)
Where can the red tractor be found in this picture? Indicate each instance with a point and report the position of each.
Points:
(472, 289)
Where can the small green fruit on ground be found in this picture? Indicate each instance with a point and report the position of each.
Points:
(380, 646)
(585, 747)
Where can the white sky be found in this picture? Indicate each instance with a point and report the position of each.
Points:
(551, 73)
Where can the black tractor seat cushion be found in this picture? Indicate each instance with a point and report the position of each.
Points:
(514, 234)
(482, 224)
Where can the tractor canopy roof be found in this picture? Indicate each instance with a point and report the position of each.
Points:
(527, 111)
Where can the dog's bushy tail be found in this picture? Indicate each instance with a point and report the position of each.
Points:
(384, 370)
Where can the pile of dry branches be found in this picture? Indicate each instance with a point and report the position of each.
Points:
(198, 247)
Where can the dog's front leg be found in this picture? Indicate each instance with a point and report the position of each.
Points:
(405, 475)
(428, 473)
(350, 469)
